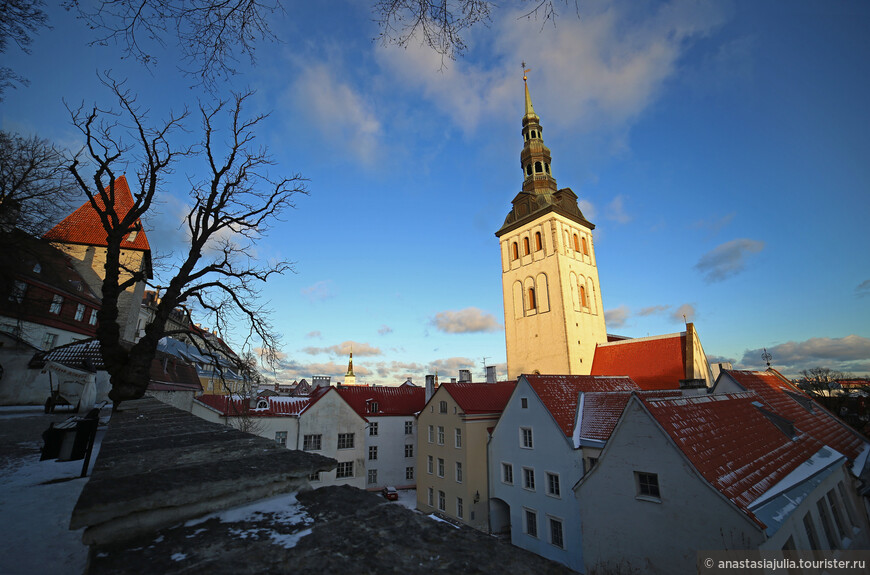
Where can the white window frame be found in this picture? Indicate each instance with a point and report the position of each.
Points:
(312, 442)
(373, 429)
(442, 501)
(56, 304)
(441, 467)
(80, 312)
(372, 476)
(281, 438)
(430, 464)
(373, 452)
(409, 473)
(409, 450)
(409, 428)
(460, 512)
(550, 475)
(344, 470)
(430, 499)
(348, 441)
(457, 438)
(93, 319)
(440, 435)
(505, 468)
(550, 521)
(458, 472)
(431, 434)
(534, 514)
(529, 473)
(527, 440)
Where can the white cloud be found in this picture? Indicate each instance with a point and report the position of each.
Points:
(344, 115)
(727, 259)
(318, 291)
(600, 70)
(468, 320)
(616, 211)
(848, 354)
(617, 317)
(684, 313)
(359, 349)
(653, 309)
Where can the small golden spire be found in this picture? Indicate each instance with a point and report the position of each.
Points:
(530, 110)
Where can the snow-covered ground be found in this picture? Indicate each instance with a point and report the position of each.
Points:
(37, 499)
(408, 498)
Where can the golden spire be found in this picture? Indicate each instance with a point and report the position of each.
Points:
(350, 363)
(530, 110)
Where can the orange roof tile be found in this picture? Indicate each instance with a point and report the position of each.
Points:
(652, 362)
(83, 226)
(480, 397)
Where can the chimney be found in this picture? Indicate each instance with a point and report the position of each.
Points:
(430, 387)
(490, 374)
(464, 376)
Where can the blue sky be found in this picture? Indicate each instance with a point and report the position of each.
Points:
(720, 148)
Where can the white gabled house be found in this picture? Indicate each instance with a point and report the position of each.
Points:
(322, 422)
(391, 432)
(723, 471)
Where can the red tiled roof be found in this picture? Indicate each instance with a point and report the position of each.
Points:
(83, 226)
(788, 401)
(236, 405)
(559, 393)
(601, 411)
(732, 444)
(403, 400)
(480, 397)
(653, 363)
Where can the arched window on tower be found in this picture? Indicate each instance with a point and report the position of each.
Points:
(515, 251)
(547, 167)
(529, 170)
(532, 302)
(538, 167)
(526, 246)
(534, 134)
(583, 300)
(585, 247)
(576, 243)
(538, 244)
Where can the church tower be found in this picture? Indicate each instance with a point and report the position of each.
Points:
(553, 312)
(349, 377)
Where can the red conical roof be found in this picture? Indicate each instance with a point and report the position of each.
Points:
(83, 226)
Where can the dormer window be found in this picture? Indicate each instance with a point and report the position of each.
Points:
(262, 404)
(132, 237)
(373, 407)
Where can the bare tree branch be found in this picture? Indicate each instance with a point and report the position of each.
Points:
(19, 21)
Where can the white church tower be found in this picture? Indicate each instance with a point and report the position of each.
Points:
(552, 300)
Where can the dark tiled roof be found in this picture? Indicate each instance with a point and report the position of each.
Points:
(403, 400)
(83, 226)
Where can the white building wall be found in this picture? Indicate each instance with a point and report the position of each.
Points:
(624, 533)
(329, 417)
(391, 464)
(551, 453)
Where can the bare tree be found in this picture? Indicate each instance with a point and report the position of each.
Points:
(233, 203)
(210, 35)
(19, 21)
(442, 24)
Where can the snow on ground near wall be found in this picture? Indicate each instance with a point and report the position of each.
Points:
(408, 498)
(36, 502)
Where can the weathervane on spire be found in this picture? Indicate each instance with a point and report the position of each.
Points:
(766, 356)
(525, 71)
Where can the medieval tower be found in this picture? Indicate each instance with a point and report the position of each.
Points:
(553, 312)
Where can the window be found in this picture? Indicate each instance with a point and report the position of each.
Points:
(345, 440)
(373, 452)
(281, 438)
(56, 304)
(526, 437)
(48, 341)
(373, 428)
(835, 511)
(526, 249)
(532, 302)
(583, 300)
(515, 251)
(810, 528)
(372, 476)
(80, 312)
(538, 243)
(440, 467)
(507, 473)
(459, 509)
(132, 236)
(528, 169)
(442, 407)
(538, 166)
(531, 520)
(409, 473)
(409, 428)
(314, 476)
(344, 469)
(18, 291)
(429, 463)
(647, 484)
(826, 523)
(524, 402)
(311, 442)
(409, 450)
(458, 472)
(585, 246)
(430, 497)
(529, 478)
(440, 435)
(553, 487)
(431, 434)
(373, 407)
(576, 243)
(93, 318)
(556, 537)
(457, 435)
(442, 501)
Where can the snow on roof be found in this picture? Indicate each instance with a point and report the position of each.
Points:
(403, 400)
(560, 393)
(732, 443)
(601, 410)
(84, 354)
(234, 405)
(83, 226)
(657, 362)
(788, 401)
(480, 397)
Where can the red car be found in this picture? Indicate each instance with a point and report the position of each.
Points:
(390, 494)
